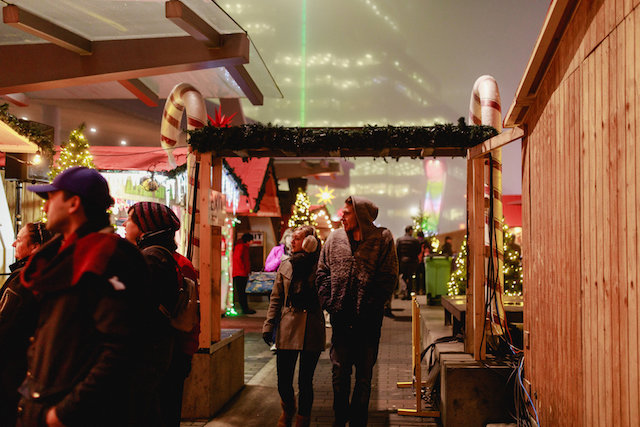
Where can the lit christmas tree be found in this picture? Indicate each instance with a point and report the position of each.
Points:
(512, 267)
(301, 215)
(74, 152)
(457, 284)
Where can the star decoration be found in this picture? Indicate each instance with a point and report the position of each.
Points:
(325, 195)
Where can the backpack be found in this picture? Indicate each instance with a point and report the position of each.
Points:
(186, 311)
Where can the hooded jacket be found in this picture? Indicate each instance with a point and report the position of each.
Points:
(363, 278)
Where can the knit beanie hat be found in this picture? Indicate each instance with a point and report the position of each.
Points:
(150, 216)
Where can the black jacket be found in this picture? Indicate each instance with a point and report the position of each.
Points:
(18, 317)
(83, 358)
(408, 248)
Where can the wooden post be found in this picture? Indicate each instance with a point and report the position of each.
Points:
(468, 320)
(210, 239)
(216, 242)
(477, 260)
(206, 255)
(416, 350)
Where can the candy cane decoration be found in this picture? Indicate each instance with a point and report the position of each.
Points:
(484, 109)
(184, 96)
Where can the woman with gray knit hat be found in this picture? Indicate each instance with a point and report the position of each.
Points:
(152, 226)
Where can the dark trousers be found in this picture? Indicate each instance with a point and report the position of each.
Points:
(408, 271)
(353, 347)
(239, 291)
(172, 387)
(286, 364)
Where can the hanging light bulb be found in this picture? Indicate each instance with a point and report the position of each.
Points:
(37, 159)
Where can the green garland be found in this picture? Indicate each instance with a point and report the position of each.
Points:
(313, 140)
(263, 187)
(29, 130)
(173, 173)
(236, 178)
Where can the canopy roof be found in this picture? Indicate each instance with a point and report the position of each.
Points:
(99, 49)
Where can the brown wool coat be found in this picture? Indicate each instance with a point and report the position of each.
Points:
(314, 339)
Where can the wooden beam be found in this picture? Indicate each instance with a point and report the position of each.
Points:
(231, 106)
(26, 21)
(477, 261)
(185, 18)
(496, 142)
(44, 66)
(560, 11)
(17, 99)
(206, 254)
(216, 257)
(142, 89)
(246, 83)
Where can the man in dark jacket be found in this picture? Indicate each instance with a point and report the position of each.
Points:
(357, 271)
(408, 248)
(88, 281)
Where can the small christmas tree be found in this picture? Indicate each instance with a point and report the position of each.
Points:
(74, 152)
(457, 284)
(301, 214)
(512, 267)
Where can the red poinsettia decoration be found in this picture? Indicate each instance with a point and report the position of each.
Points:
(221, 120)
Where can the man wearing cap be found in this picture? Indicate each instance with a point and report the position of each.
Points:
(152, 226)
(89, 283)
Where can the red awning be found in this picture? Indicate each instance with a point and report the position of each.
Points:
(136, 158)
(130, 158)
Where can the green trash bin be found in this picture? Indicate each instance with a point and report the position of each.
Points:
(437, 274)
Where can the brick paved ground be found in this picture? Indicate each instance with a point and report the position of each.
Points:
(258, 404)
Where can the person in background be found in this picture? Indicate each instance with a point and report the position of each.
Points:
(152, 226)
(420, 273)
(18, 317)
(280, 252)
(241, 268)
(295, 289)
(447, 248)
(90, 285)
(408, 248)
(276, 256)
(357, 271)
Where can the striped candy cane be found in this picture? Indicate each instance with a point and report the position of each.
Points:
(184, 97)
(484, 109)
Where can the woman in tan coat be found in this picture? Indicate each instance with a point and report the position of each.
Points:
(300, 325)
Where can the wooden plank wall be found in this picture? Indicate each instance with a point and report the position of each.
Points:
(581, 199)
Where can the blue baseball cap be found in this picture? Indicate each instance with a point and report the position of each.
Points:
(85, 182)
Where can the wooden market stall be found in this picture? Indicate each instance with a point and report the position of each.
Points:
(579, 108)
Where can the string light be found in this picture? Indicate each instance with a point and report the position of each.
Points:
(512, 267)
(457, 284)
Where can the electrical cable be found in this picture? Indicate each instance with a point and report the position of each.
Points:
(525, 391)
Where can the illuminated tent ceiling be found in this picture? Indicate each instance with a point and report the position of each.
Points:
(94, 55)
